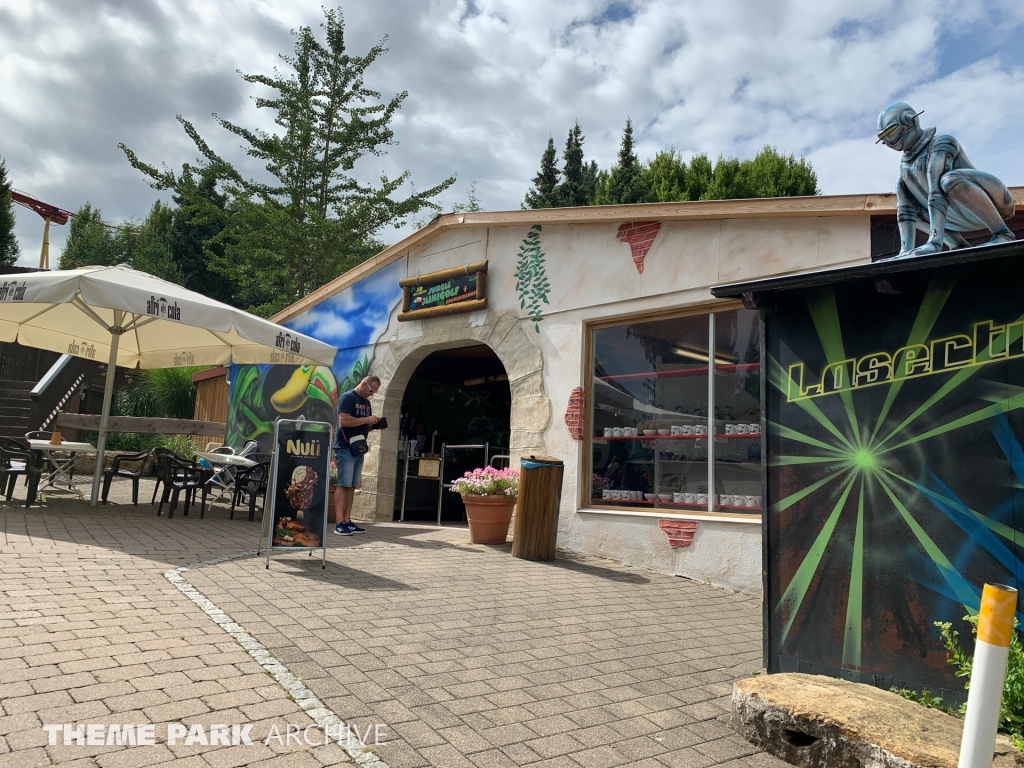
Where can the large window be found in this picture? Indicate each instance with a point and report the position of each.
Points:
(676, 414)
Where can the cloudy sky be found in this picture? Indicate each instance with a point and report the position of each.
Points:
(490, 80)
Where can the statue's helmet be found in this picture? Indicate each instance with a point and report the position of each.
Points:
(894, 122)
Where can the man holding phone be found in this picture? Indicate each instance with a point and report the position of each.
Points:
(354, 421)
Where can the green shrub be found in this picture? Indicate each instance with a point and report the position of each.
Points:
(1011, 711)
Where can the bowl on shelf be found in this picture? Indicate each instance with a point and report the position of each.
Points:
(665, 497)
(650, 431)
(664, 432)
(651, 496)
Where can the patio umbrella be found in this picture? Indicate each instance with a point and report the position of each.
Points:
(131, 318)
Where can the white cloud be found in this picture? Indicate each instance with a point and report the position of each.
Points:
(489, 80)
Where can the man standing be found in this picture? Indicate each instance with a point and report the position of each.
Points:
(354, 421)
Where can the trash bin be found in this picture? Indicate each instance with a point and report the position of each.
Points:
(540, 495)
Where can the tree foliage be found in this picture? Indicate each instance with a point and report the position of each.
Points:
(144, 246)
(669, 178)
(9, 250)
(544, 193)
(278, 239)
(626, 182)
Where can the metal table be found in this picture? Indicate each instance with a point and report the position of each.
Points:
(225, 466)
(61, 464)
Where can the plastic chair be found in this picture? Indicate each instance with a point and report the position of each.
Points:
(115, 470)
(251, 482)
(182, 475)
(16, 460)
(68, 465)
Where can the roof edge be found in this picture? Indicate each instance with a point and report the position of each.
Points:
(766, 207)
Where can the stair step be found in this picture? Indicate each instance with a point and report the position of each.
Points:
(14, 384)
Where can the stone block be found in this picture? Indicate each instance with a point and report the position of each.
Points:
(530, 384)
(531, 413)
(820, 722)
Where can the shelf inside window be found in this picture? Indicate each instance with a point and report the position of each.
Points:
(701, 371)
(722, 436)
(673, 505)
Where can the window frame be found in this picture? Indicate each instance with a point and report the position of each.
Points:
(589, 327)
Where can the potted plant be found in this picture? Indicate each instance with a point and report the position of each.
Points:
(490, 496)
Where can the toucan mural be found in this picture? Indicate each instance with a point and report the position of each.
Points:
(353, 320)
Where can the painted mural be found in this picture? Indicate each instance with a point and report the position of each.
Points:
(895, 468)
(353, 320)
(532, 284)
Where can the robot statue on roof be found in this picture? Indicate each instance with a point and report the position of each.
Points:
(939, 191)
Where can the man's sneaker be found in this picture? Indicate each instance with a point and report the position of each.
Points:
(342, 529)
(355, 528)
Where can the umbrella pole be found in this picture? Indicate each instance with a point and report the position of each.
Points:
(108, 396)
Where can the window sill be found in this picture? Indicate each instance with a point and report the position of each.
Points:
(710, 517)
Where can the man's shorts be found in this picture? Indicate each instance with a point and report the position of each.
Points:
(350, 468)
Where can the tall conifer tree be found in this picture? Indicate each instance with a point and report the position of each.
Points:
(626, 183)
(545, 184)
(9, 250)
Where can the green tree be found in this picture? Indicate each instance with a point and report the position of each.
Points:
(580, 177)
(89, 241)
(666, 177)
(544, 193)
(698, 177)
(472, 204)
(314, 219)
(194, 242)
(626, 182)
(9, 250)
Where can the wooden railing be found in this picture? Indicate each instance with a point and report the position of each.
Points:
(142, 425)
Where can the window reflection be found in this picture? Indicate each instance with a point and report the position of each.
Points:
(654, 443)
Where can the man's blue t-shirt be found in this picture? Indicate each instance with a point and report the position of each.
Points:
(353, 404)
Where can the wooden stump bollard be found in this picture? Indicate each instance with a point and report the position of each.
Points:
(540, 496)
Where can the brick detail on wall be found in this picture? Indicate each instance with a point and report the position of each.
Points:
(574, 414)
(680, 532)
(640, 235)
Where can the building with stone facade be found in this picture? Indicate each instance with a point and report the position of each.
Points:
(586, 334)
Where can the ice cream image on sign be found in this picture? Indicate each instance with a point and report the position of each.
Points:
(300, 492)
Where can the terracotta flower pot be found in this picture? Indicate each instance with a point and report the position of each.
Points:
(489, 517)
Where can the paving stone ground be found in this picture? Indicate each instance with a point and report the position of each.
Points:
(461, 655)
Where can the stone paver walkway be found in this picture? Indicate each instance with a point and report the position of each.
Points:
(460, 655)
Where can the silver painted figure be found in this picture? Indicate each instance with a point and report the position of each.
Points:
(939, 191)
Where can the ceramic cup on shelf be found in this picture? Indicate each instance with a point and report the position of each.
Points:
(743, 429)
(755, 429)
(730, 429)
(677, 498)
(753, 501)
(725, 500)
(616, 431)
(702, 499)
(688, 430)
(701, 429)
(674, 430)
(689, 498)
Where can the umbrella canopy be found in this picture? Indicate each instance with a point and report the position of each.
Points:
(133, 319)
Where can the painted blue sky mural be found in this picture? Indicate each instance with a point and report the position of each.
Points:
(354, 319)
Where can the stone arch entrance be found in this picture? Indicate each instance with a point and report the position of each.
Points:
(521, 356)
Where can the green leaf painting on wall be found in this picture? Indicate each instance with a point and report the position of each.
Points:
(532, 284)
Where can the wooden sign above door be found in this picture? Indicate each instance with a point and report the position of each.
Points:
(461, 289)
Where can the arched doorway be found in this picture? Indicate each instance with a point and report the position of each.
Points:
(520, 355)
(456, 397)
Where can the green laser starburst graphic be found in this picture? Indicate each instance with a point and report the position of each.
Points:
(855, 462)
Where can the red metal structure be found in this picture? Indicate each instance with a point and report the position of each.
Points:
(49, 213)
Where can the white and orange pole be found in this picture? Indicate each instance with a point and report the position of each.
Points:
(988, 673)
